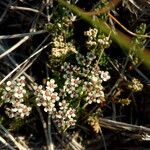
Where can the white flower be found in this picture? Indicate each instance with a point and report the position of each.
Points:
(62, 93)
(87, 86)
(90, 98)
(51, 85)
(54, 97)
(8, 83)
(49, 108)
(46, 94)
(21, 81)
(100, 94)
(101, 41)
(22, 78)
(91, 43)
(105, 75)
(59, 25)
(94, 79)
(19, 92)
(37, 89)
(74, 82)
(19, 111)
(74, 94)
(63, 105)
(8, 88)
(71, 113)
(14, 110)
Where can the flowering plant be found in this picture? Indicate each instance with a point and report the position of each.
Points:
(76, 81)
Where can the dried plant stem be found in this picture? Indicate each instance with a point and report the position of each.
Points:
(3, 15)
(26, 65)
(8, 135)
(5, 11)
(2, 37)
(116, 85)
(14, 47)
(114, 116)
(47, 10)
(27, 9)
(6, 143)
(50, 145)
(26, 61)
(121, 75)
(124, 28)
(142, 74)
(14, 63)
(72, 143)
(103, 139)
(24, 68)
(44, 127)
(107, 8)
(138, 131)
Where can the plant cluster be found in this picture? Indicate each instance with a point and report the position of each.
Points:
(14, 93)
(78, 81)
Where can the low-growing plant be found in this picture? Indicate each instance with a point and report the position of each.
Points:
(81, 85)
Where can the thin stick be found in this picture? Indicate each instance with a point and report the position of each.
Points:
(8, 135)
(44, 126)
(6, 143)
(3, 15)
(14, 47)
(27, 9)
(47, 10)
(103, 140)
(2, 37)
(50, 145)
(25, 67)
(124, 127)
(128, 31)
(71, 142)
(5, 12)
(142, 74)
(106, 9)
(27, 60)
(14, 63)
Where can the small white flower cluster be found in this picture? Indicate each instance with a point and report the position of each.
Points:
(65, 117)
(94, 93)
(54, 103)
(18, 110)
(47, 97)
(94, 39)
(71, 87)
(135, 85)
(104, 75)
(62, 48)
(14, 93)
(93, 88)
(84, 79)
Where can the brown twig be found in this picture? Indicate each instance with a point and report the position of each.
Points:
(139, 131)
(124, 28)
(107, 9)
